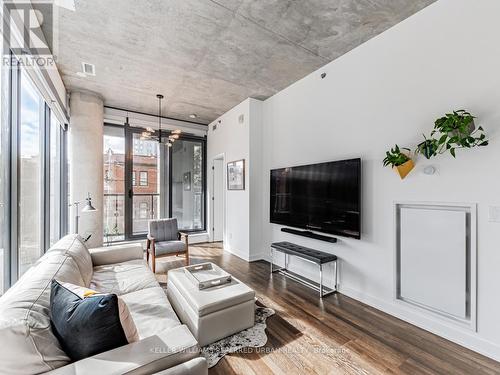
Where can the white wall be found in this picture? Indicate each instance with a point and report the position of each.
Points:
(387, 91)
(236, 141)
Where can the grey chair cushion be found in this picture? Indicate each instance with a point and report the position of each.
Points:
(168, 247)
(163, 229)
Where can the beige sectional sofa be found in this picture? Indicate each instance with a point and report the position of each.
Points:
(26, 338)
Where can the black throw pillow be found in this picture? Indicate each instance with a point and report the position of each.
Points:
(85, 327)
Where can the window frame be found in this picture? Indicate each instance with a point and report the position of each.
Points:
(165, 180)
(11, 129)
(146, 181)
(203, 141)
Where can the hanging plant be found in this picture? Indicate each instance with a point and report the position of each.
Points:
(459, 122)
(429, 147)
(399, 161)
(451, 132)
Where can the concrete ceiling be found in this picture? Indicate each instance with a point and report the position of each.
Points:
(206, 56)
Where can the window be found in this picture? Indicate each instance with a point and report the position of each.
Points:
(187, 184)
(114, 184)
(149, 181)
(55, 179)
(143, 178)
(4, 179)
(30, 175)
(146, 163)
(143, 210)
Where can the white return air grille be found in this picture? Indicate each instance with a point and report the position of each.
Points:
(88, 69)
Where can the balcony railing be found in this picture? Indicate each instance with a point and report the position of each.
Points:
(144, 208)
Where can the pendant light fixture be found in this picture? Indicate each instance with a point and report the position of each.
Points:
(174, 134)
(160, 97)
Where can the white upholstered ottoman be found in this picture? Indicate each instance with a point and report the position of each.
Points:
(214, 313)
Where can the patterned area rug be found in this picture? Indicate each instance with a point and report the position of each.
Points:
(254, 337)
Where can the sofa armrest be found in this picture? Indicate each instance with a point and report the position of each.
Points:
(197, 366)
(147, 356)
(116, 254)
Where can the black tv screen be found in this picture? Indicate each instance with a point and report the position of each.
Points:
(323, 197)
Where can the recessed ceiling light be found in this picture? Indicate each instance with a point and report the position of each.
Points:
(193, 115)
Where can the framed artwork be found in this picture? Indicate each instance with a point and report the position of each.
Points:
(236, 175)
(186, 181)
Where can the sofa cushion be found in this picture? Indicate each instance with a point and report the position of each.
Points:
(85, 326)
(74, 246)
(26, 338)
(164, 350)
(151, 311)
(122, 278)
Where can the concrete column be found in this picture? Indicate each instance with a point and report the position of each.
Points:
(86, 162)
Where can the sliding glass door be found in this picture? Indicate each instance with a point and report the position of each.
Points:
(187, 182)
(144, 180)
(145, 183)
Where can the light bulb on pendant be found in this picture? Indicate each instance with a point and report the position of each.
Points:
(169, 144)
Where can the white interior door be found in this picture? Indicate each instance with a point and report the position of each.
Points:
(218, 200)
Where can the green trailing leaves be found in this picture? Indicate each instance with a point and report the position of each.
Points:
(394, 157)
(451, 132)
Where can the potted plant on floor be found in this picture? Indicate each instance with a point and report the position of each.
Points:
(399, 160)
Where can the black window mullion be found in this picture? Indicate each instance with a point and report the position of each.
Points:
(63, 182)
(128, 196)
(45, 193)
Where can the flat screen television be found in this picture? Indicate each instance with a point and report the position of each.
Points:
(323, 197)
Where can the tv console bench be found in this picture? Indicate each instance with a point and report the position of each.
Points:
(310, 255)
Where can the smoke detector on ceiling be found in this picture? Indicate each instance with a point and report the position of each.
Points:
(88, 69)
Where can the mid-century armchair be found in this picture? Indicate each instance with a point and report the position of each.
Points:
(164, 239)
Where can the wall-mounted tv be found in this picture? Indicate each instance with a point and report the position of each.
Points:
(323, 197)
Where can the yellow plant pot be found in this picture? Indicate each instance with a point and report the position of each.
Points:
(405, 168)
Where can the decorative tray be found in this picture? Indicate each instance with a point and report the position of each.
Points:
(207, 275)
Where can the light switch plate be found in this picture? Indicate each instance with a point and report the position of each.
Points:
(494, 214)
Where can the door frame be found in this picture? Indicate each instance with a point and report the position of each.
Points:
(212, 208)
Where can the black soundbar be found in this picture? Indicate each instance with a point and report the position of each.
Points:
(306, 233)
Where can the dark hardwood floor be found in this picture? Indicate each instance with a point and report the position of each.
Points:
(338, 335)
